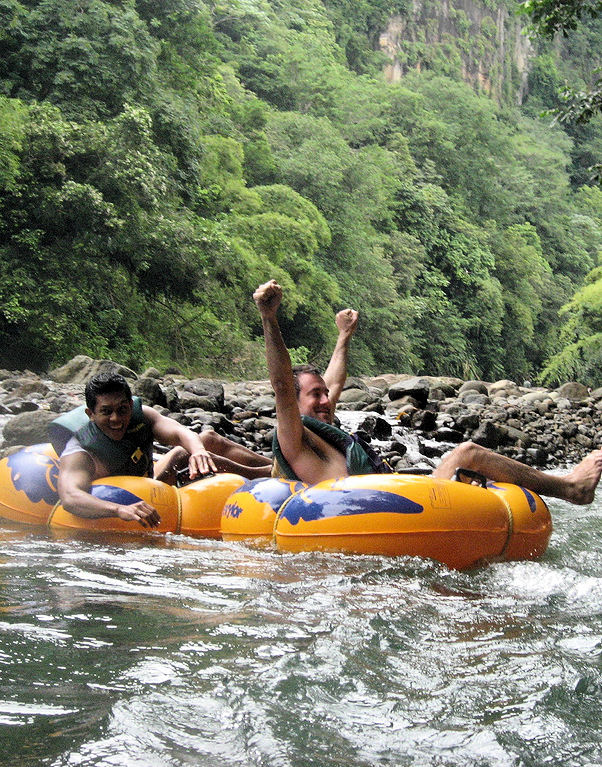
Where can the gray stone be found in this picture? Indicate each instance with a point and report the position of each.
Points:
(573, 391)
(151, 373)
(425, 420)
(150, 391)
(513, 436)
(478, 386)
(470, 397)
(537, 456)
(404, 403)
(503, 388)
(29, 386)
(28, 428)
(172, 400)
(488, 435)
(445, 434)
(190, 401)
(353, 382)
(417, 388)
(81, 368)
(354, 395)
(206, 387)
(23, 406)
(263, 405)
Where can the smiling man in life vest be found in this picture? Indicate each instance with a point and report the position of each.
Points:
(307, 447)
(114, 434)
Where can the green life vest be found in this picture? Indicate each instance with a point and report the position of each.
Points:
(360, 457)
(132, 455)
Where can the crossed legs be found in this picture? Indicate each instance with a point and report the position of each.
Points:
(577, 487)
(228, 456)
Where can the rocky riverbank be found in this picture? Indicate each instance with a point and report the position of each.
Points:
(538, 426)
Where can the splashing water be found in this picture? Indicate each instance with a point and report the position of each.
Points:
(173, 651)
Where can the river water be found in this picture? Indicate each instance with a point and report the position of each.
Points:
(174, 652)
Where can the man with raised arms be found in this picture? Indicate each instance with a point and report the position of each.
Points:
(312, 456)
(117, 438)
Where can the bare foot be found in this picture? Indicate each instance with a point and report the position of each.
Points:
(581, 483)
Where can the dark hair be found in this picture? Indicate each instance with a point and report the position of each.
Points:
(299, 370)
(105, 383)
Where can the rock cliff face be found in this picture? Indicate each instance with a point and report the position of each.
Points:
(483, 42)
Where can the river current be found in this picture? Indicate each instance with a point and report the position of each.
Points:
(175, 651)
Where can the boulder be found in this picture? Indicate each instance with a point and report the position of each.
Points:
(502, 388)
(405, 403)
(478, 386)
(488, 435)
(355, 395)
(376, 427)
(445, 434)
(425, 420)
(149, 391)
(151, 373)
(573, 391)
(81, 368)
(473, 397)
(417, 388)
(353, 382)
(264, 405)
(206, 387)
(28, 428)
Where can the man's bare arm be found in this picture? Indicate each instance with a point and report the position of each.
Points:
(336, 372)
(290, 432)
(170, 432)
(75, 476)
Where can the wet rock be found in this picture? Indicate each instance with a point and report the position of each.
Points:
(425, 420)
(416, 388)
(432, 449)
(445, 434)
(376, 427)
(537, 456)
(488, 434)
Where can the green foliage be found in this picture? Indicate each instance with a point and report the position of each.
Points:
(551, 16)
(158, 160)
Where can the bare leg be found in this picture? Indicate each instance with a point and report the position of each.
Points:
(577, 487)
(166, 467)
(215, 443)
(177, 459)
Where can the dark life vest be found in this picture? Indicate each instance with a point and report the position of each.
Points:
(132, 455)
(360, 457)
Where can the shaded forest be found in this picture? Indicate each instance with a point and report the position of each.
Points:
(160, 159)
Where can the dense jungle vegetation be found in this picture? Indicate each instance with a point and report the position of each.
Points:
(161, 158)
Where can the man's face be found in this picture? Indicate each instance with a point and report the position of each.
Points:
(112, 414)
(313, 397)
